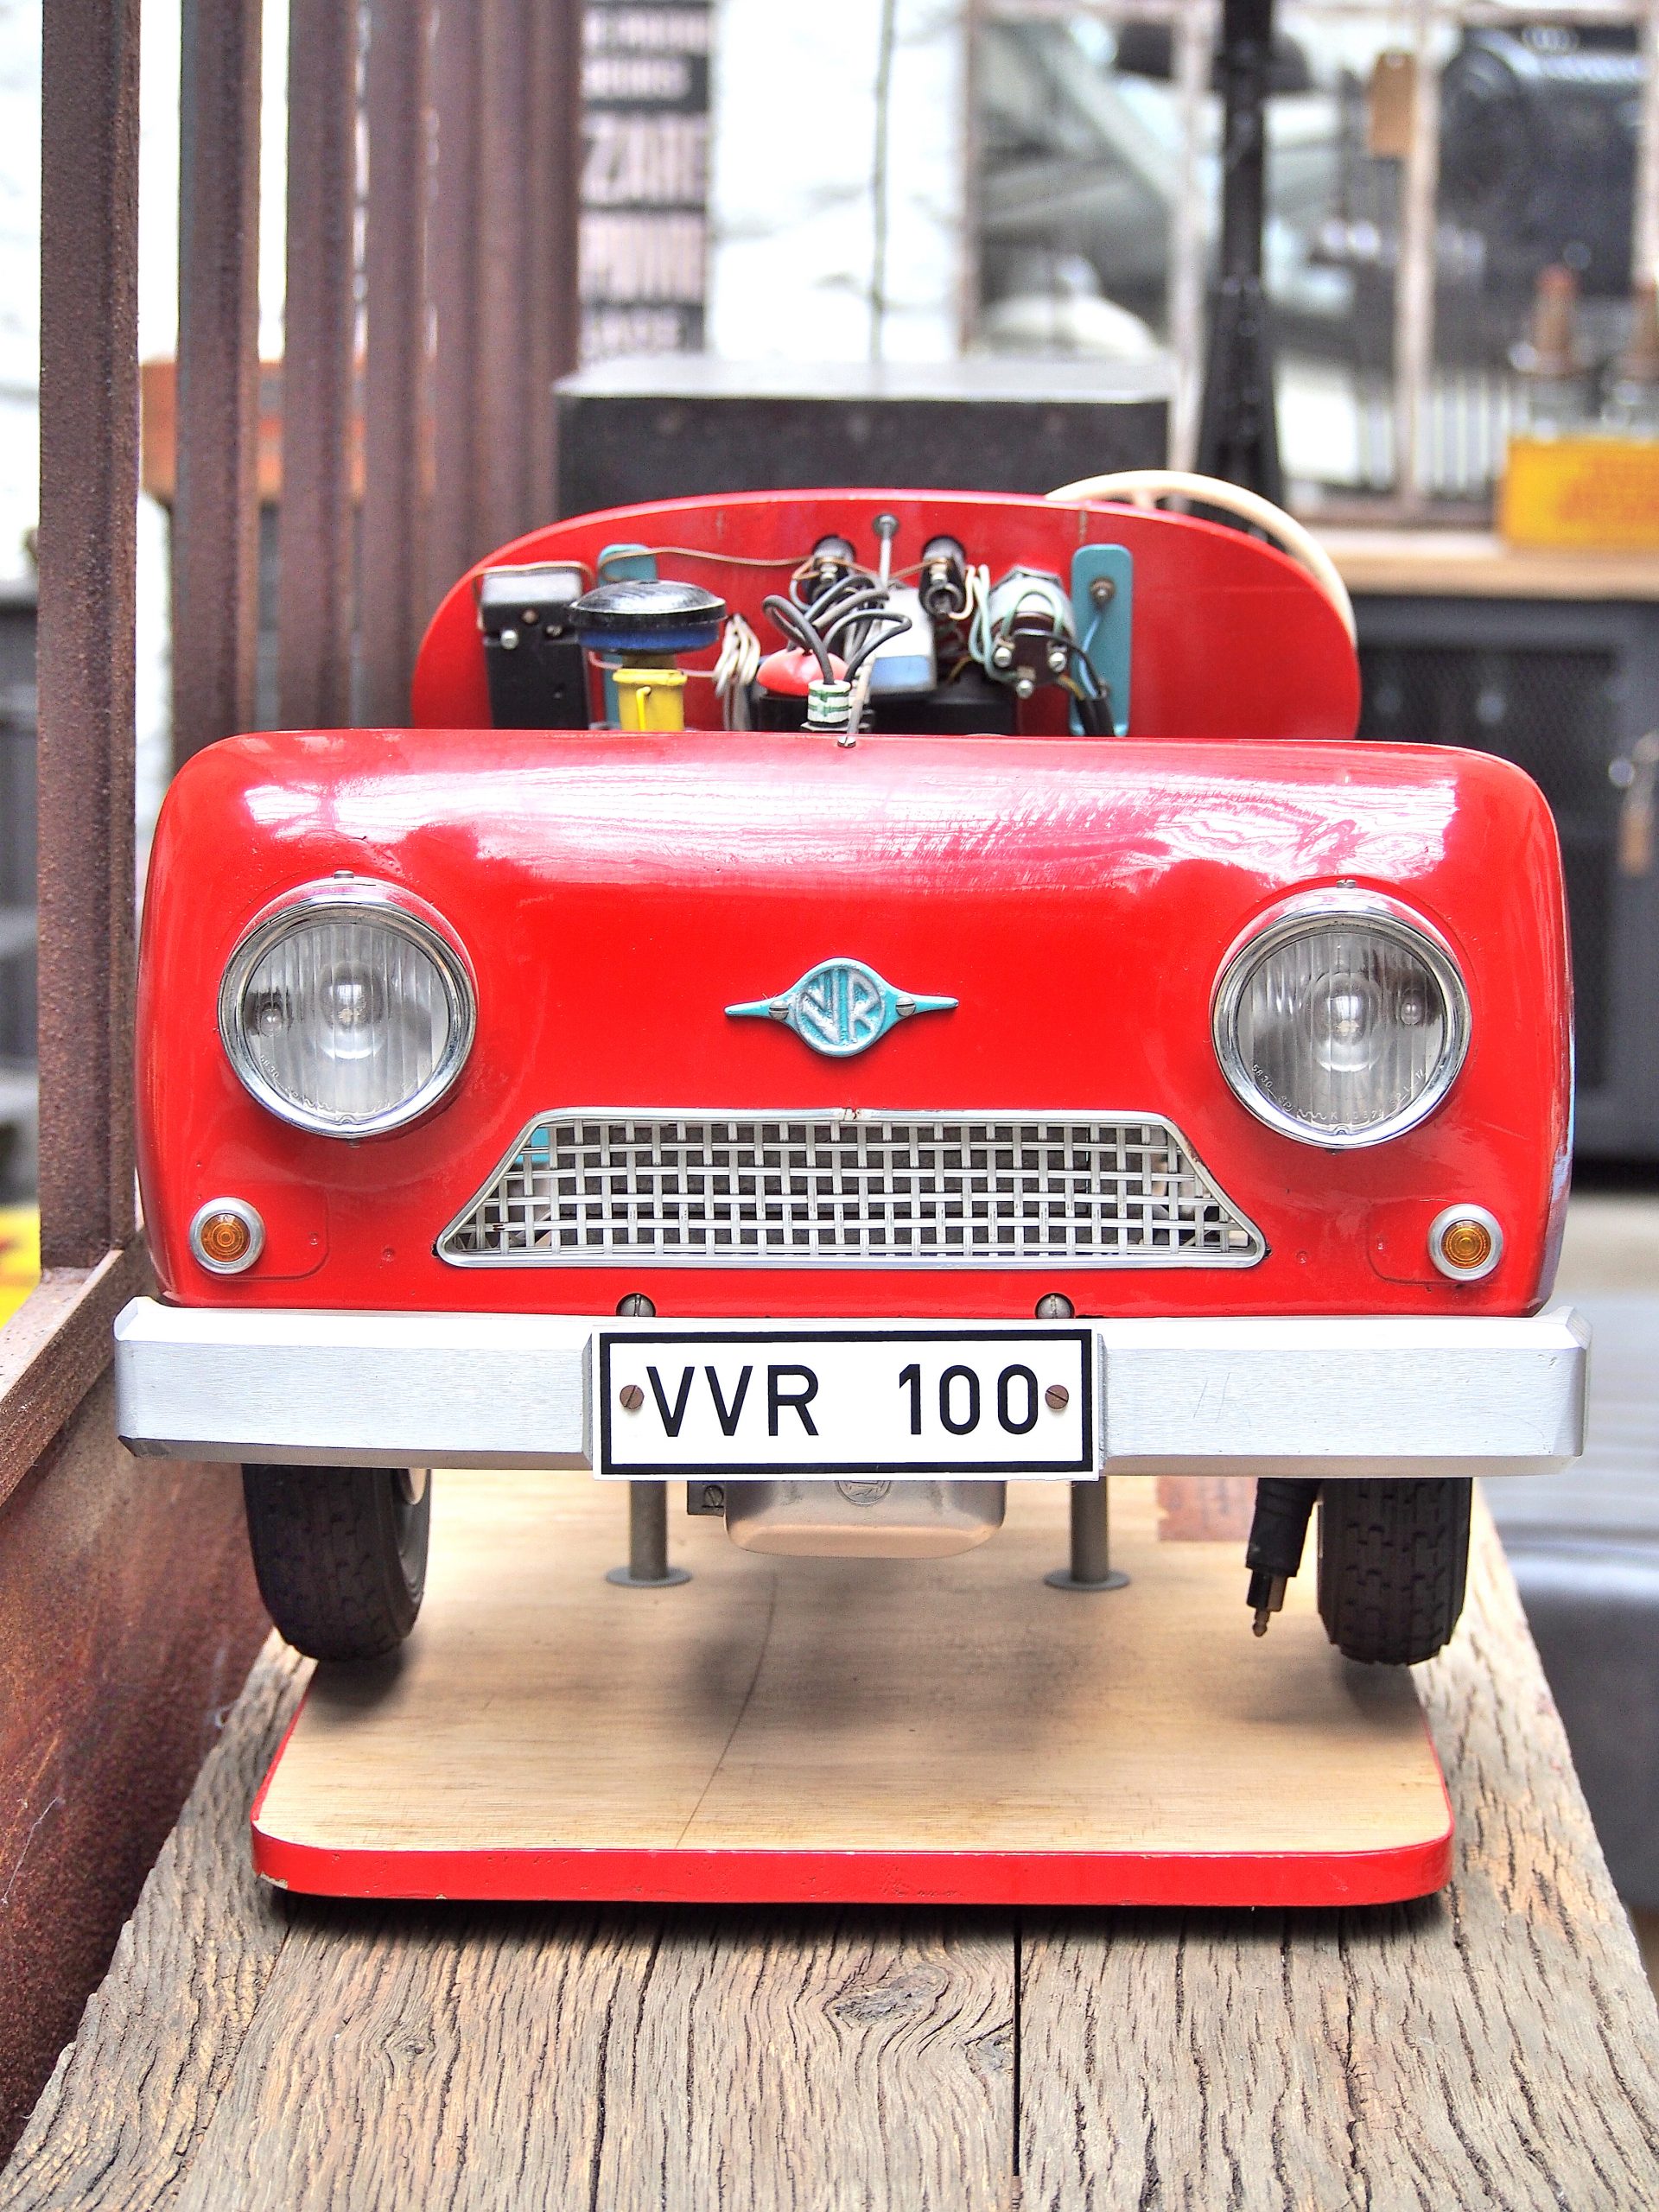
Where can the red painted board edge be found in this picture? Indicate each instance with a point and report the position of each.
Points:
(550, 1874)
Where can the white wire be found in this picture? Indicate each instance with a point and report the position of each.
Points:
(976, 603)
(1144, 486)
(737, 666)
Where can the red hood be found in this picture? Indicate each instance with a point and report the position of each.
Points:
(616, 894)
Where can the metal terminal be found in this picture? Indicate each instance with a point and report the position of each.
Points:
(1102, 591)
(1092, 1565)
(647, 1567)
(1278, 1534)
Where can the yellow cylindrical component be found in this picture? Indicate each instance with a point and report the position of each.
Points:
(650, 698)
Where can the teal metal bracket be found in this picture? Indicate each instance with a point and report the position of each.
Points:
(622, 564)
(1102, 607)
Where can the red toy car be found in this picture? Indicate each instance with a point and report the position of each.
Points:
(847, 999)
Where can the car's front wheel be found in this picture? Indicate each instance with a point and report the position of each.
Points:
(339, 1553)
(1393, 1560)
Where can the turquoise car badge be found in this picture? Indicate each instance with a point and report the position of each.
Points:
(841, 1008)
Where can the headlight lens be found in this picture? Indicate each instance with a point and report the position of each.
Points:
(1341, 1024)
(346, 1012)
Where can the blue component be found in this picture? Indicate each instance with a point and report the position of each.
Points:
(1105, 629)
(660, 643)
(617, 564)
(841, 1008)
(900, 673)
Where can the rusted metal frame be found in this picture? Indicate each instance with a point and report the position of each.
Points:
(552, 304)
(313, 596)
(392, 580)
(215, 512)
(53, 1350)
(457, 535)
(503, 372)
(89, 489)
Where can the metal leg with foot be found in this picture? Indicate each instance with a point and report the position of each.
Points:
(647, 1567)
(1092, 1565)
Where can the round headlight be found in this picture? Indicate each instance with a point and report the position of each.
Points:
(346, 1011)
(1341, 1020)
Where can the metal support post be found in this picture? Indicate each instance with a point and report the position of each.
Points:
(1092, 1565)
(647, 1567)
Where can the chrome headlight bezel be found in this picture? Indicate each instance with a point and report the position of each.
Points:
(390, 907)
(1303, 915)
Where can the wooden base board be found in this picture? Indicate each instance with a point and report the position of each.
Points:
(783, 1730)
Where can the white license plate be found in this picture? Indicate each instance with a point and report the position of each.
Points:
(997, 1402)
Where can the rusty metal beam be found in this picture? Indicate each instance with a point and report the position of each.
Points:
(551, 301)
(395, 416)
(89, 488)
(314, 599)
(504, 378)
(215, 512)
(457, 536)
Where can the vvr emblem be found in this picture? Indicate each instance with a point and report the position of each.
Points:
(840, 1007)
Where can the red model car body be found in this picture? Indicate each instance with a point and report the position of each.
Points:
(613, 894)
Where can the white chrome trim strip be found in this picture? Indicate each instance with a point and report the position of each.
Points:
(1428, 1395)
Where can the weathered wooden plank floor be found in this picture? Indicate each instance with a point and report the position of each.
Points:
(1494, 2047)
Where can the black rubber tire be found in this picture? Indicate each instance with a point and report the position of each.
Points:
(339, 1553)
(1393, 1560)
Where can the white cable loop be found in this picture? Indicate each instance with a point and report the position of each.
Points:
(737, 666)
(1144, 487)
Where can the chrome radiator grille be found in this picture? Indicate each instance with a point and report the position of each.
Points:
(599, 1189)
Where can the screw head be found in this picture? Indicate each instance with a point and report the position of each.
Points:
(1056, 1397)
(632, 1397)
(509, 641)
(713, 1498)
(1102, 592)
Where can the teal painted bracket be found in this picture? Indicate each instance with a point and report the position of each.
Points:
(622, 564)
(1104, 632)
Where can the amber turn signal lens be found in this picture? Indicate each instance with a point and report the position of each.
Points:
(227, 1236)
(1466, 1244)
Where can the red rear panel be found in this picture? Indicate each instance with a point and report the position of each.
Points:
(1231, 637)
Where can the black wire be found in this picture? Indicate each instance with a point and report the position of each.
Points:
(853, 611)
(855, 583)
(900, 624)
(794, 624)
(1077, 653)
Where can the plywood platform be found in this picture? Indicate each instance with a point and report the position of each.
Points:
(947, 1733)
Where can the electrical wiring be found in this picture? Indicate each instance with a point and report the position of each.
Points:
(897, 625)
(700, 553)
(976, 593)
(795, 626)
(735, 668)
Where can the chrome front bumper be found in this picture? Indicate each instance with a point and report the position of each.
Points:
(1329, 1397)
